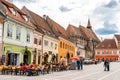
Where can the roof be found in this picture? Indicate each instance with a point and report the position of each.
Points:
(56, 28)
(117, 37)
(107, 44)
(88, 33)
(73, 30)
(39, 22)
(8, 4)
(19, 15)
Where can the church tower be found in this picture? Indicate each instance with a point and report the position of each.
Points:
(89, 24)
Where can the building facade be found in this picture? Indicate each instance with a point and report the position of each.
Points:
(18, 36)
(84, 39)
(66, 48)
(107, 49)
(37, 47)
(49, 41)
(78, 39)
(50, 49)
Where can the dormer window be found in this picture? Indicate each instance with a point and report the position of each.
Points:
(25, 17)
(13, 11)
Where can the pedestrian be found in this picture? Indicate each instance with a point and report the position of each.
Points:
(108, 65)
(81, 63)
(78, 64)
(105, 65)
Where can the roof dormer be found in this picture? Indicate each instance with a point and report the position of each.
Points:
(25, 18)
(13, 11)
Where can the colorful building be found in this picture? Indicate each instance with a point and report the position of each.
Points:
(66, 49)
(18, 36)
(77, 37)
(49, 40)
(84, 39)
(107, 49)
(91, 40)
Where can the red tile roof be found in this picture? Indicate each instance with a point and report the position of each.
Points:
(18, 16)
(8, 4)
(73, 30)
(117, 37)
(58, 29)
(107, 44)
(37, 20)
(88, 33)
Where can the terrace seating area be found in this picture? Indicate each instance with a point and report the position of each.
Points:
(36, 70)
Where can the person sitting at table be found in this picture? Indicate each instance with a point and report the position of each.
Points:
(31, 65)
(42, 68)
(27, 69)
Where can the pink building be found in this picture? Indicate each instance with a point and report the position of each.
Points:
(107, 49)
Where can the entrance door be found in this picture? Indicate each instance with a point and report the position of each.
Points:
(12, 59)
(68, 57)
(26, 58)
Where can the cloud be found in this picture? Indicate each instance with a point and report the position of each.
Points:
(107, 29)
(111, 4)
(64, 9)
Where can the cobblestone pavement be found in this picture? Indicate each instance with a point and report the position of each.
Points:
(90, 72)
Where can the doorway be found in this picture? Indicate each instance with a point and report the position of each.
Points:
(13, 59)
(25, 60)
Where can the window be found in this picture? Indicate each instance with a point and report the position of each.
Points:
(107, 52)
(63, 45)
(102, 52)
(35, 40)
(45, 42)
(98, 52)
(60, 44)
(40, 42)
(51, 44)
(18, 33)
(28, 36)
(9, 30)
(115, 52)
(110, 52)
(25, 17)
(13, 11)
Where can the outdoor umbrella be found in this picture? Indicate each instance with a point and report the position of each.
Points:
(74, 58)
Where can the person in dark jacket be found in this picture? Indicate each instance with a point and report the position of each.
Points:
(106, 65)
(81, 63)
(78, 64)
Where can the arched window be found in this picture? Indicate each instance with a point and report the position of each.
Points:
(60, 44)
(63, 45)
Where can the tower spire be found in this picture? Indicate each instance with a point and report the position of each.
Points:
(89, 24)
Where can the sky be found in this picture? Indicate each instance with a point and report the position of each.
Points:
(103, 14)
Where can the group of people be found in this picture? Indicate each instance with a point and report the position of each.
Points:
(80, 64)
(29, 68)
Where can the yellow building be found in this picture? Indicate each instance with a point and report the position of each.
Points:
(66, 49)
